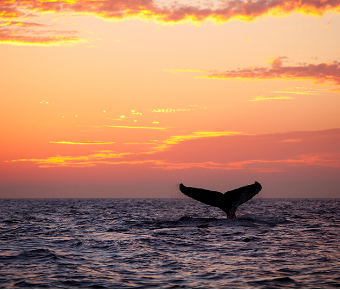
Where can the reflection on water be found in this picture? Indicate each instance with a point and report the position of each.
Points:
(168, 243)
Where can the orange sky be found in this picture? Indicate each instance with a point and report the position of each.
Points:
(131, 98)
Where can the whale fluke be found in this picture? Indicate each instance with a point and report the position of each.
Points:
(228, 202)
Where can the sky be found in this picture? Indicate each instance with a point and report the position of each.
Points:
(130, 98)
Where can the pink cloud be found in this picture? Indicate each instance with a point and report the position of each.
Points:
(323, 73)
(148, 9)
(261, 153)
(309, 167)
(31, 37)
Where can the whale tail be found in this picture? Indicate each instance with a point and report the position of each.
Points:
(228, 202)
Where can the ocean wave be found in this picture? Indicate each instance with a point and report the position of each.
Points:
(157, 243)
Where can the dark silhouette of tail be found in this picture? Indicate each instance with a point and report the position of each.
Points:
(228, 202)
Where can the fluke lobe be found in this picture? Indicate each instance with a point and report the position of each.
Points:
(228, 202)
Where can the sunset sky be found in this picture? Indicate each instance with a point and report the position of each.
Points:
(130, 98)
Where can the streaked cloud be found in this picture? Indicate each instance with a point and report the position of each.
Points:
(29, 37)
(109, 157)
(292, 140)
(257, 165)
(143, 143)
(301, 91)
(189, 165)
(267, 170)
(135, 127)
(75, 161)
(296, 93)
(195, 135)
(270, 153)
(260, 153)
(170, 110)
(256, 99)
(82, 143)
(323, 73)
(17, 29)
(9, 10)
(20, 24)
(184, 70)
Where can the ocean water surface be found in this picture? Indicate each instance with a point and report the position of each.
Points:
(168, 243)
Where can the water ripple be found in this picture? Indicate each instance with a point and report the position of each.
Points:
(168, 243)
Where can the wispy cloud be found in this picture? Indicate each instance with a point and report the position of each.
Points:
(195, 135)
(75, 161)
(256, 99)
(170, 110)
(28, 37)
(291, 140)
(184, 70)
(109, 157)
(272, 153)
(296, 92)
(39, 41)
(135, 127)
(323, 73)
(9, 10)
(82, 143)
(256, 164)
(20, 24)
(16, 29)
(262, 153)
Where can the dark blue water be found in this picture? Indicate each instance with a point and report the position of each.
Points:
(168, 243)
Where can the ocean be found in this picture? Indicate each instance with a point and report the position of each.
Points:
(168, 243)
